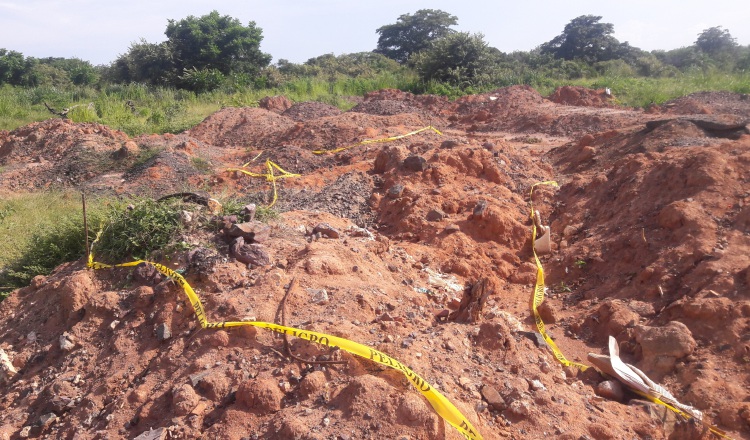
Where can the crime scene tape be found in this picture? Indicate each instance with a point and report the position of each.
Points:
(375, 141)
(440, 403)
(540, 288)
(269, 176)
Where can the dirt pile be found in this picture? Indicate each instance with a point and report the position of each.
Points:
(581, 96)
(419, 248)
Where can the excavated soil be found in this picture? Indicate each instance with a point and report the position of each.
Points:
(420, 248)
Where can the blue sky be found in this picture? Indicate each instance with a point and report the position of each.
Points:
(296, 30)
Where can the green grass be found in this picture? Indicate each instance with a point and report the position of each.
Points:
(39, 231)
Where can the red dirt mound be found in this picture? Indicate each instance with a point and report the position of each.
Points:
(581, 96)
(709, 103)
(232, 127)
(304, 111)
(419, 248)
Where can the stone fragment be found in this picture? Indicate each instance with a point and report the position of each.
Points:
(452, 228)
(610, 389)
(254, 254)
(163, 332)
(153, 434)
(416, 163)
(451, 143)
(493, 398)
(248, 212)
(47, 419)
(318, 296)
(251, 231)
(662, 346)
(436, 215)
(7, 370)
(479, 209)
(395, 191)
(326, 230)
(519, 409)
(66, 342)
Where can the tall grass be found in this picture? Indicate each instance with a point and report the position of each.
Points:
(139, 109)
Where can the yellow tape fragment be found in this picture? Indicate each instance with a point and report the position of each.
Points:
(540, 289)
(269, 175)
(375, 141)
(440, 403)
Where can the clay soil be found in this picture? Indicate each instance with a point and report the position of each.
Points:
(430, 262)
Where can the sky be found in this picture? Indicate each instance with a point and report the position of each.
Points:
(297, 30)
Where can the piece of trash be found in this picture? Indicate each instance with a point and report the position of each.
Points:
(542, 243)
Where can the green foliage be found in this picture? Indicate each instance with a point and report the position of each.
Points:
(459, 59)
(587, 39)
(41, 231)
(202, 80)
(135, 228)
(715, 40)
(216, 42)
(413, 33)
(144, 62)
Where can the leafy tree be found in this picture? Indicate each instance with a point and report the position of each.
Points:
(587, 39)
(79, 72)
(413, 33)
(13, 67)
(460, 59)
(715, 40)
(144, 62)
(215, 42)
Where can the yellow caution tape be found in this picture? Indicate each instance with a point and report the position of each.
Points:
(681, 413)
(540, 289)
(440, 403)
(269, 176)
(375, 141)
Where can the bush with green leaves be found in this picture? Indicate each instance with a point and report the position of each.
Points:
(460, 59)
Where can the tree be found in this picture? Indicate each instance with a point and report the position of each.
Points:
(715, 40)
(146, 63)
(587, 39)
(461, 59)
(216, 42)
(12, 67)
(413, 33)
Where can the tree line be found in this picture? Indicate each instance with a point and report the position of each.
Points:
(211, 51)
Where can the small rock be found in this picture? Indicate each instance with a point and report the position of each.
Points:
(65, 342)
(415, 163)
(326, 230)
(610, 389)
(7, 370)
(395, 191)
(479, 209)
(537, 385)
(318, 296)
(519, 408)
(25, 432)
(47, 419)
(407, 342)
(493, 398)
(450, 144)
(186, 218)
(153, 434)
(436, 215)
(163, 332)
(450, 229)
(248, 212)
(254, 254)
(252, 231)
(313, 384)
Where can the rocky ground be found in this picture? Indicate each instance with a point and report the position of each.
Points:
(419, 248)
